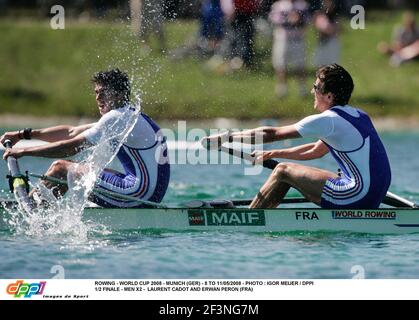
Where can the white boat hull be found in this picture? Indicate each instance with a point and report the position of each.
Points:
(379, 221)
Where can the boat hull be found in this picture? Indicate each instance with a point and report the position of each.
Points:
(377, 221)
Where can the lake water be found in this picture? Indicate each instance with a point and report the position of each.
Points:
(163, 254)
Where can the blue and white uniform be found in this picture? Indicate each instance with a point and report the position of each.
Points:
(143, 155)
(354, 143)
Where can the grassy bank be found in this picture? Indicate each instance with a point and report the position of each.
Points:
(46, 72)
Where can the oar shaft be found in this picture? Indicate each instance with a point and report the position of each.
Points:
(269, 164)
(246, 202)
(394, 200)
(100, 191)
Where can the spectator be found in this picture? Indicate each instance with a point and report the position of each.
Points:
(212, 23)
(405, 45)
(152, 17)
(242, 23)
(211, 32)
(223, 60)
(3, 6)
(290, 18)
(326, 24)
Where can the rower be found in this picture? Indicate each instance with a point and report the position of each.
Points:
(143, 154)
(344, 131)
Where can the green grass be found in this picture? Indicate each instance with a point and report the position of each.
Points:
(46, 72)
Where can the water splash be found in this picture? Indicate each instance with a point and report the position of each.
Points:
(63, 216)
(126, 51)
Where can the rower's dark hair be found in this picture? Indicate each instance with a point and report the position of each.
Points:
(336, 80)
(116, 80)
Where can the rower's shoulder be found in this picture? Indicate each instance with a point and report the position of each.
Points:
(121, 112)
(350, 110)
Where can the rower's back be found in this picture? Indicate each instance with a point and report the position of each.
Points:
(142, 153)
(360, 153)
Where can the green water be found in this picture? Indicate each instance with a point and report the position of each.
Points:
(165, 254)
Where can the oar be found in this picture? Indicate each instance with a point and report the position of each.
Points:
(269, 164)
(102, 192)
(391, 199)
(246, 202)
(223, 204)
(394, 200)
(18, 183)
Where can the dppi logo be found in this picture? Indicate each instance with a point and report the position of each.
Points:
(27, 290)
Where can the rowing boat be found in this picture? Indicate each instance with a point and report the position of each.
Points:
(227, 215)
(378, 221)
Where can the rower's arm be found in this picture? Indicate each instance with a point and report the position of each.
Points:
(265, 134)
(59, 149)
(308, 151)
(58, 133)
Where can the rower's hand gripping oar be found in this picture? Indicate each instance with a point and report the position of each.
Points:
(269, 164)
(18, 183)
(391, 199)
(215, 142)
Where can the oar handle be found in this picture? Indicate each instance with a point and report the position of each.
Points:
(18, 183)
(8, 144)
(11, 161)
(269, 164)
